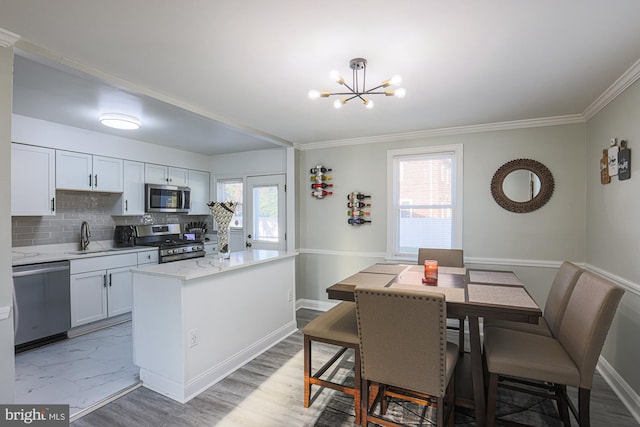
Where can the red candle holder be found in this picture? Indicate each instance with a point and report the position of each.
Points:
(430, 272)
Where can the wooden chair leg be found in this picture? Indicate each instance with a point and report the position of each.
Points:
(357, 395)
(492, 395)
(563, 407)
(365, 403)
(307, 371)
(584, 397)
(451, 397)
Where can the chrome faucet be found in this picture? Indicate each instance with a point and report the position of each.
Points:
(85, 233)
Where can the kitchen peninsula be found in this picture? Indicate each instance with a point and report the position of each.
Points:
(198, 320)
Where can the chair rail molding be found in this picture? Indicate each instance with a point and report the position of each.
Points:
(624, 283)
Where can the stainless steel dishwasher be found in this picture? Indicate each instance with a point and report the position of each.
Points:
(42, 307)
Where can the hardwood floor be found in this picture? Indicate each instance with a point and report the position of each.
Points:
(268, 392)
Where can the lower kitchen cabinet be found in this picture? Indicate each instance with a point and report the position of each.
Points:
(119, 291)
(101, 287)
(88, 297)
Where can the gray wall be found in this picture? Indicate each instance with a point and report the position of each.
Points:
(613, 231)
(7, 370)
(534, 243)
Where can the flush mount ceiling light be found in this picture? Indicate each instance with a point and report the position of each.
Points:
(120, 121)
(359, 65)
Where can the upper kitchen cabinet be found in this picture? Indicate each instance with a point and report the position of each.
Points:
(131, 202)
(33, 185)
(85, 172)
(199, 184)
(165, 175)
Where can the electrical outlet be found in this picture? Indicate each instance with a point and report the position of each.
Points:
(194, 338)
(289, 295)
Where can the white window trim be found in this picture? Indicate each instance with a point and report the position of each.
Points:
(457, 149)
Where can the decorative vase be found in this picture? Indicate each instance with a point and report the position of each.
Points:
(222, 213)
(223, 243)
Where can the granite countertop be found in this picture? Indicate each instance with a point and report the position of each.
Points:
(201, 267)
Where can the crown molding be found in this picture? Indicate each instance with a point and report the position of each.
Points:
(458, 130)
(7, 38)
(627, 79)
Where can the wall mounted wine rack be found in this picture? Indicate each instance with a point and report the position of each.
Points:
(320, 182)
(358, 205)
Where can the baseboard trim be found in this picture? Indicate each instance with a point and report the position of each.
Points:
(183, 392)
(315, 304)
(629, 398)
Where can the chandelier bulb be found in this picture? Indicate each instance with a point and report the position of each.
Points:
(395, 80)
(401, 92)
(338, 103)
(368, 104)
(314, 94)
(337, 77)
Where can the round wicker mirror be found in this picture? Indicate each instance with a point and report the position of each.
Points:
(542, 178)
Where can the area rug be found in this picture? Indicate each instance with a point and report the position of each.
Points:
(512, 406)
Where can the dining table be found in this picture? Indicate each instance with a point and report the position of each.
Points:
(471, 293)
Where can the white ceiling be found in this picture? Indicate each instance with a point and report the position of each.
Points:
(240, 71)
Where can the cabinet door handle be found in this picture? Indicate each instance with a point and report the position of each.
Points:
(109, 279)
(90, 182)
(95, 181)
(104, 281)
(126, 206)
(53, 204)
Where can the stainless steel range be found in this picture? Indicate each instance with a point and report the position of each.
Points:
(167, 238)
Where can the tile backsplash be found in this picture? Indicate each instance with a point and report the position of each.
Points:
(73, 207)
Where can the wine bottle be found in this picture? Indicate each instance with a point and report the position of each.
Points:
(359, 196)
(320, 177)
(323, 185)
(320, 169)
(357, 213)
(320, 194)
(357, 205)
(358, 221)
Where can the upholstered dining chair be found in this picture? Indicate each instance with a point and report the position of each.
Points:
(446, 258)
(404, 351)
(555, 306)
(515, 357)
(339, 328)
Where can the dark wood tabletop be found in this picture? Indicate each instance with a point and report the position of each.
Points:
(344, 290)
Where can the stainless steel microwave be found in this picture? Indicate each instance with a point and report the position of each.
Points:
(167, 198)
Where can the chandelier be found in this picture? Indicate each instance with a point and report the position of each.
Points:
(358, 87)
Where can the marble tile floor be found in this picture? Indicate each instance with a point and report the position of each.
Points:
(80, 372)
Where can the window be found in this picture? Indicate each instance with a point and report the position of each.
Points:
(232, 191)
(425, 199)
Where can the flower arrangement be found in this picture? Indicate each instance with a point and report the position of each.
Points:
(222, 213)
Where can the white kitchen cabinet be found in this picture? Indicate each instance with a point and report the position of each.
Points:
(88, 297)
(33, 185)
(119, 291)
(210, 248)
(148, 257)
(85, 172)
(101, 287)
(165, 175)
(199, 184)
(131, 202)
